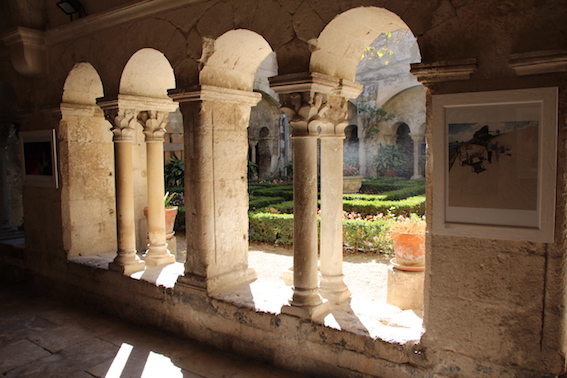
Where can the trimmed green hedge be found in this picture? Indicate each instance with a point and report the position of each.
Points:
(387, 184)
(271, 228)
(415, 205)
(369, 236)
(277, 191)
(260, 202)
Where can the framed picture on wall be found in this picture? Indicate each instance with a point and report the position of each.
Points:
(39, 158)
(495, 164)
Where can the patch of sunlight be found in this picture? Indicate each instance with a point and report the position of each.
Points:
(158, 365)
(119, 361)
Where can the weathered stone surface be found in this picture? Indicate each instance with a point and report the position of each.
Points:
(493, 308)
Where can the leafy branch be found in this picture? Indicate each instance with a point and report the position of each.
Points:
(372, 116)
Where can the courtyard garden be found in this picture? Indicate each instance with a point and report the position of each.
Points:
(367, 216)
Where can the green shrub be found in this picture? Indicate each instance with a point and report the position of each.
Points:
(276, 191)
(415, 205)
(260, 202)
(386, 184)
(180, 219)
(282, 208)
(400, 194)
(369, 236)
(271, 228)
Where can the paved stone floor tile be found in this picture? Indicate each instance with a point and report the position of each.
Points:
(89, 353)
(53, 366)
(19, 353)
(62, 337)
(58, 340)
(22, 326)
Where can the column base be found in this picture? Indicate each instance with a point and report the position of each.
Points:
(129, 268)
(316, 312)
(217, 283)
(154, 261)
(415, 177)
(334, 289)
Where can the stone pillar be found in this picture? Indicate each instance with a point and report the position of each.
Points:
(416, 138)
(124, 122)
(253, 144)
(154, 130)
(332, 136)
(216, 144)
(306, 301)
(310, 102)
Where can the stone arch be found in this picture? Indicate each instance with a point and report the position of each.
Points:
(264, 135)
(86, 162)
(147, 73)
(341, 42)
(351, 145)
(145, 81)
(409, 108)
(83, 85)
(233, 59)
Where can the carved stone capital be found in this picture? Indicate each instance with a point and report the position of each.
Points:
(315, 103)
(123, 123)
(154, 124)
(417, 138)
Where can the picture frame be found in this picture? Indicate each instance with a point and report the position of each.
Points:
(495, 160)
(39, 158)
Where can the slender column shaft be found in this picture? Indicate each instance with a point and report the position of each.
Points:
(416, 146)
(305, 291)
(332, 283)
(126, 260)
(125, 198)
(157, 253)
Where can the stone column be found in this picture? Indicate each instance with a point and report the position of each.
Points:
(332, 283)
(307, 104)
(416, 138)
(253, 144)
(306, 301)
(216, 197)
(154, 130)
(124, 122)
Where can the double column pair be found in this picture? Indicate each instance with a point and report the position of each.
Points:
(126, 114)
(316, 106)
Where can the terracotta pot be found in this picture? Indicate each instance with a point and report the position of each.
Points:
(352, 184)
(409, 250)
(170, 214)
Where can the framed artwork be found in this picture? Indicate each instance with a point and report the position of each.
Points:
(39, 158)
(495, 164)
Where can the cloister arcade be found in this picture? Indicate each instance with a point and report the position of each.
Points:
(106, 84)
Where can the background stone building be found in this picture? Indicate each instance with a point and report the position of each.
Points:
(494, 296)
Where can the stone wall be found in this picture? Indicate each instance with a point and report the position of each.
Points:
(492, 307)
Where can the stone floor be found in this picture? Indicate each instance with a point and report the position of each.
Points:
(45, 338)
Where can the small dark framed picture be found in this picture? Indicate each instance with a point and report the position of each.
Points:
(39, 158)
